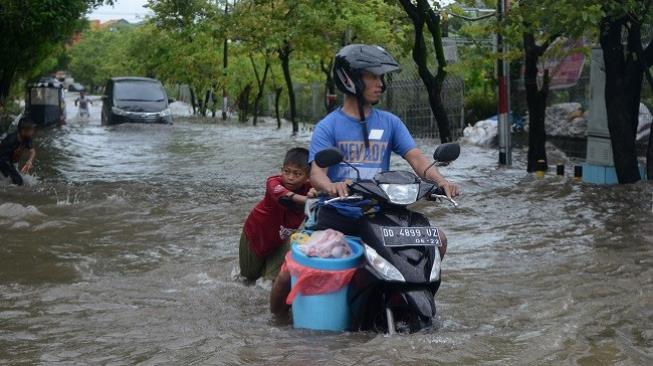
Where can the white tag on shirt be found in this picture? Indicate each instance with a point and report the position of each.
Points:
(376, 134)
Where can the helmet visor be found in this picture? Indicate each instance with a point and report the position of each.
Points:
(382, 69)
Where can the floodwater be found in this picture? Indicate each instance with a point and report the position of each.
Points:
(123, 250)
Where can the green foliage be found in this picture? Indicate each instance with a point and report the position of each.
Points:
(32, 30)
(101, 55)
(480, 106)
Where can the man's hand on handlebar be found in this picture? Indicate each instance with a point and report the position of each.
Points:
(337, 189)
(451, 189)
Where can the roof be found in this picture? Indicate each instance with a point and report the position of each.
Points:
(46, 82)
(134, 78)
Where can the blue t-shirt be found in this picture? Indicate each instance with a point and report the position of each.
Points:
(386, 134)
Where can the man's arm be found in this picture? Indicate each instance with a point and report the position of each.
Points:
(418, 161)
(28, 164)
(320, 181)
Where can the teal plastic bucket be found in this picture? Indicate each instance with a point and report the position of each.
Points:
(326, 311)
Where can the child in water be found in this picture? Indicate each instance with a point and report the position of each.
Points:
(12, 148)
(264, 241)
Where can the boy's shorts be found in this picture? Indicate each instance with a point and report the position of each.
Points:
(253, 267)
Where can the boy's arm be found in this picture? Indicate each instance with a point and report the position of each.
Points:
(30, 160)
(300, 199)
(281, 194)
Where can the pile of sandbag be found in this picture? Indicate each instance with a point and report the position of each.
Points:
(564, 119)
(483, 133)
(569, 119)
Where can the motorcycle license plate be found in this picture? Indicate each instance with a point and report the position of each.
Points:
(410, 236)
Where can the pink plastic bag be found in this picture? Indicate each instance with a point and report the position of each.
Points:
(327, 244)
(311, 281)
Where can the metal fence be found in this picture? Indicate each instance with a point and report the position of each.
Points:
(406, 98)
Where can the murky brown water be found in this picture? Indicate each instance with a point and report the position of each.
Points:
(123, 250)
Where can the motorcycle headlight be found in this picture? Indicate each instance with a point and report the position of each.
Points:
(118, 111)
(401, 194)
(435, 271)
(382, 267)
(165, 113)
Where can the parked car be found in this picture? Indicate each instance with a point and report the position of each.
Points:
(44, 102)
(135, 100)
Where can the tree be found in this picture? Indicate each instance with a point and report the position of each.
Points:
(350, 21)
(32, 30)
(260, 83)
(423, 14)
(530, 22)
(102, 54)
(278, 24)
(194, 27)
(624, 70)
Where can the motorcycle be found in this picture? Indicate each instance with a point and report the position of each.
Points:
(395, 288)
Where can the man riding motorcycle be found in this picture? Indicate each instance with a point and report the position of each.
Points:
(366, 137)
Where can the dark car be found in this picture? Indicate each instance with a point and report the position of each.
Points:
(135, 100)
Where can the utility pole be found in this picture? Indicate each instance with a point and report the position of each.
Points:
(225, 99)
(503, 77)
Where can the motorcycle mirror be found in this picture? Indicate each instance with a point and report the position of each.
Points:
(447, 153)
(328, 157)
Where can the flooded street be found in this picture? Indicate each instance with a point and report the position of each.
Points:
(123, 250)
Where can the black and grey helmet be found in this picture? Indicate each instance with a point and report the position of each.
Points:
(353, 59)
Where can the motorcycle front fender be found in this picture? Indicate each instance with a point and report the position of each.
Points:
(422, 301)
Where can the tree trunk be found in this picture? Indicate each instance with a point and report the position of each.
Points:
(243, 103)
(225, 59)
(284, 56)
(214, 101)
(6, 79)
(277, 97)
(207, 97)
(193, 100)
(645, 62)
(329, 86)
(422, 14)
(623, 83)
(261, 90)
(260, 82)
(649, 156)
(536, 99)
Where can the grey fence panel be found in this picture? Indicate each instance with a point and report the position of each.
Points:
(406, 98)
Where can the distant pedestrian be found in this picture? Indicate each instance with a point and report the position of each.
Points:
(13, 146)
(83, 104)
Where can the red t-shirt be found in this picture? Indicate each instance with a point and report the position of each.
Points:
(270, 223)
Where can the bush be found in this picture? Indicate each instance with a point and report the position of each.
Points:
(479, 106)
